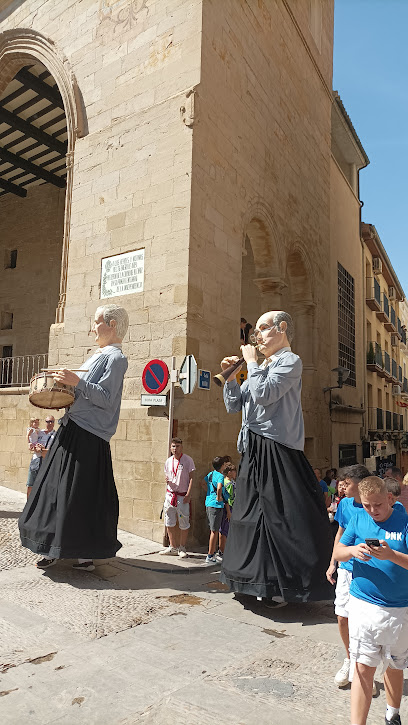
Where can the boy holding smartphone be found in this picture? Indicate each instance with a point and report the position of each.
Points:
(377, 540)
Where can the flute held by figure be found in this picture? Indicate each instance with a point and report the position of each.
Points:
(221, 377)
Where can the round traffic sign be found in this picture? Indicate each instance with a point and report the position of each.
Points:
(155, 376)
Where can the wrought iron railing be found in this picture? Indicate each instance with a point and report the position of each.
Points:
(394, 369)
(387, 362)
(393, 317)
(386, 307)
(16, 372)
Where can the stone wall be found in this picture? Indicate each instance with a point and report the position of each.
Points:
(207, 122)
(346, 249)
(261, 169)
(136, 64)
(33, 226)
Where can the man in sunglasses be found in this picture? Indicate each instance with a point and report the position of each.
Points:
(279, 541)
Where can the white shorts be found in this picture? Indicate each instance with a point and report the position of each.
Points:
(377, 634)
(181, 513)
(341, 603)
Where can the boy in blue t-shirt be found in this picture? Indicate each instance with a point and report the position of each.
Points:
(377, 540)
(347, 508)
(214, 504)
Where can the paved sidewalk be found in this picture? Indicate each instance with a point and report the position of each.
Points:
(156, 640)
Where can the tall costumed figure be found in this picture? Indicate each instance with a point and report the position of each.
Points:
(279, 539)
(73, 508)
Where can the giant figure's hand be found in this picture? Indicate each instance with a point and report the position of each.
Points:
(67, 377)
(226, 362)
(249, 353)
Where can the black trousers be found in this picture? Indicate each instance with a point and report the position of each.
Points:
(73, 508)
(279, 541)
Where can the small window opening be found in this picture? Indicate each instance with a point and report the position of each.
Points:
(11, 259)
(6, 321)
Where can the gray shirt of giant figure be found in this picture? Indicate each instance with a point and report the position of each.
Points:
(98, 391)
(270, 397)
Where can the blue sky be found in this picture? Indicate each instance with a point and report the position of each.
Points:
(371, 74)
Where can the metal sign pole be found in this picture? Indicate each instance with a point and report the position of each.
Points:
(173, 381)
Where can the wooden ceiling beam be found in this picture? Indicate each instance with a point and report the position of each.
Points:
(32, 131)
(13, 188)
(43, 89)
(31, 168)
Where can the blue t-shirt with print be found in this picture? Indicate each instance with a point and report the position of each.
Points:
(346, 509)
(212, 480)
(379, 582)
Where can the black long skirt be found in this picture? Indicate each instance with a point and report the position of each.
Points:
(279, 541)
(73, 508)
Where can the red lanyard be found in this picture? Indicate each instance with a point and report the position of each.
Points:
(175, 471)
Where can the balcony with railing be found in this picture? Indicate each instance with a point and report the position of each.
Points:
(384, 313)
(388, 420)
(395, 421)
(403, 336)
(387, 367)
(375, 419)
(394, 370)
(373, 294)
(16, 372)
(399, 328)
(374, 358)
(391, 325)
(405, 386)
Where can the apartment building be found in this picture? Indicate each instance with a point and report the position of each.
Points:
(385, 341)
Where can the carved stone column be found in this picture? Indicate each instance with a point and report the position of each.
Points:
(304, 343)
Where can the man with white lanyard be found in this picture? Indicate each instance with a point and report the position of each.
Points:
(178, 470)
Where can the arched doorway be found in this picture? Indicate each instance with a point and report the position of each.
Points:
(38, 126)
(261, 280)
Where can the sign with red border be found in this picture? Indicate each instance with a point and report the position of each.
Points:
(155, 376)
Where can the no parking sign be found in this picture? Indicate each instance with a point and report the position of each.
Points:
(155, 376)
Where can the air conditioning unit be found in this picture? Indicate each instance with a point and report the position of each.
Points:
(391, 293)
(394, 339)
(377, 265)
(396, 389)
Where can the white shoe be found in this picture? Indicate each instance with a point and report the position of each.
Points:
(342, 676)
(169, 551)
(182, 552)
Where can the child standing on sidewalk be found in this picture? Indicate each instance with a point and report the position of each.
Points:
(230, 474)
(214, 504)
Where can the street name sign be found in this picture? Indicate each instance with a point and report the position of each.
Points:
(153, 399)
(204, 379)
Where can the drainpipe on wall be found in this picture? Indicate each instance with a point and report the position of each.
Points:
(364, 370)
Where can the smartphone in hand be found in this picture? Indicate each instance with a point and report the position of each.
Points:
(372, 542)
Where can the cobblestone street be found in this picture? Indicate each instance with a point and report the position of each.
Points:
(142, 640)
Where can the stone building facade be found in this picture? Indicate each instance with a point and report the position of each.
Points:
(200, 132)
(385, 359)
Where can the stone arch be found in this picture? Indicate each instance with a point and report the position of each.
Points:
(300, 304)
(22, 45)
(261, 280)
